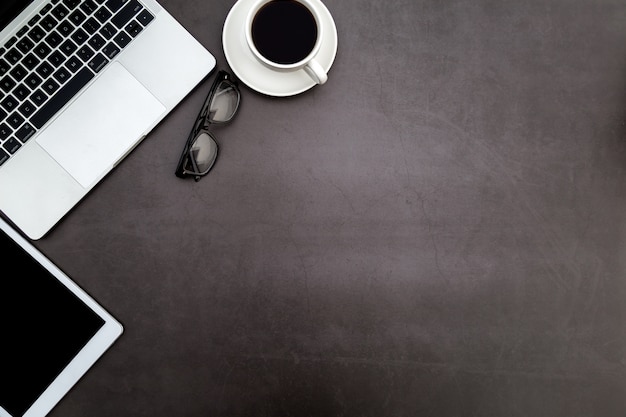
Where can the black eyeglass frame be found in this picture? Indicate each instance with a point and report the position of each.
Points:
(201, 125)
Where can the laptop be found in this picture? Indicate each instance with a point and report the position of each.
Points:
(52, 331)
(82, 82)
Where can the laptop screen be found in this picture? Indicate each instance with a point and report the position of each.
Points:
(43, 325)
(9, 9)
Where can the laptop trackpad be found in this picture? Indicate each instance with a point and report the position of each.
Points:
(104, 123)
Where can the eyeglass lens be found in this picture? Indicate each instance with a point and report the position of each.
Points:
(224, 103)
(203, 153)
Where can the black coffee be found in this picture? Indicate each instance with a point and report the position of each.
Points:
(284, 31)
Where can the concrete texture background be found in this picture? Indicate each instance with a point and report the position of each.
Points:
(440, 230)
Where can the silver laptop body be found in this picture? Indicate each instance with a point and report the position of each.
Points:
(52, 167)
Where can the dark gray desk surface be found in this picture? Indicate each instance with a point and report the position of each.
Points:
(440, 230)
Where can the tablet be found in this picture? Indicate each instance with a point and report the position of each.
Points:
(51, 331)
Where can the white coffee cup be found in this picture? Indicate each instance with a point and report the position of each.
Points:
(309, 63)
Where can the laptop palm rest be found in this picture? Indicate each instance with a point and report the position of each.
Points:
(101, 126)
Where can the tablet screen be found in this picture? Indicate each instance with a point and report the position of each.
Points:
(43, 325)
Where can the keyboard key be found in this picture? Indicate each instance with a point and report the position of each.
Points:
(110, 50)
(4, 67)
(30, 61)
(97, 63)
(34, 20)
(54, 39)
(48, 23)
(103, 14)
(133, 28)
(7, 84)
(68, 47)
(19, 72)
(3, 156)
(56, 58)
(12, 145)
(96, 42)
(108, 31)
(45, 9)
(10, 42)
(22, 31)
(64, 95)
(77, 17)
(42, 50)
(80, 36)
(25, 45)
(9, 103)
(88, 7)
(45, 69)
(21, 92)
(85, 53)
(15, 120)
(122, 39)
(50, 86)
(73, 64)
(126, 13)
(60, 12)
(145, 17)
(13, 56)
(91, 26)
(62, 75)
(38, 97)
(33, 81)
(65, 28)
(26, 109)
(25, 132)
(5, 131)
(36, 34)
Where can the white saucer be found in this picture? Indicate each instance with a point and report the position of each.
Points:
(259, 77)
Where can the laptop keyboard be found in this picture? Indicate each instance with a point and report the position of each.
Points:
(54, 56)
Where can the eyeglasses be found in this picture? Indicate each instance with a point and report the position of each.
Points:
(220, 107)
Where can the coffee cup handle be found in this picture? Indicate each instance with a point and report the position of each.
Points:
(316, 72)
